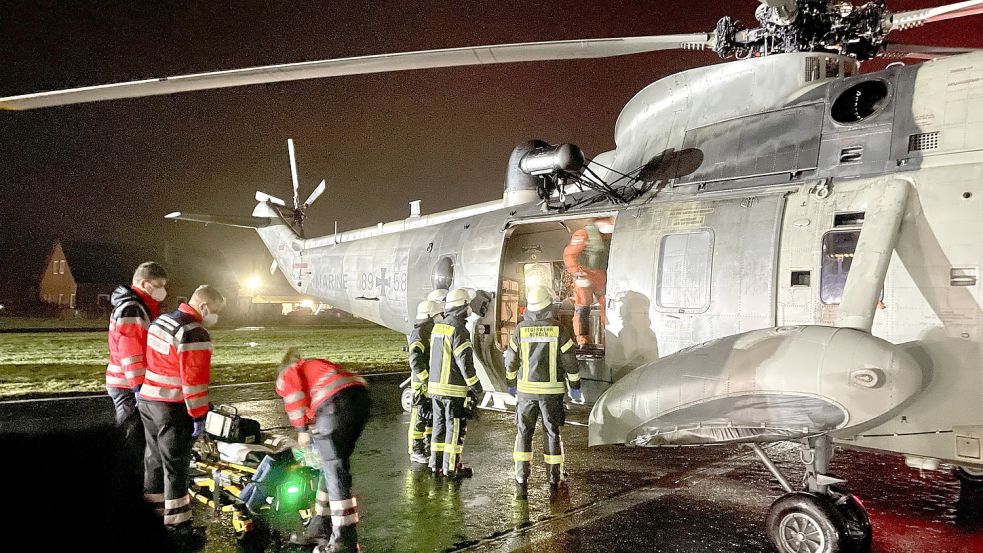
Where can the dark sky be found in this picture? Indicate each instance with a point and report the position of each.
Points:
(110, 171)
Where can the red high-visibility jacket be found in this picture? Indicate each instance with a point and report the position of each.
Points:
(308, 383)
(179, 361)
(133, 310)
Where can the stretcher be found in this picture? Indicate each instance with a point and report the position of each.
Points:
(270, 482)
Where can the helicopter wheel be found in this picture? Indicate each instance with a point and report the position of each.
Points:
(406, 399)
(969, 478)
(803, 522)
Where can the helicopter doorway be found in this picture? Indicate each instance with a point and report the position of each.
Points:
(533, 254)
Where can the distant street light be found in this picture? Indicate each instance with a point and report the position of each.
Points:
(253, 283)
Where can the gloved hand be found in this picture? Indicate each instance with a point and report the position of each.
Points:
(420, 394)
(199, 428)
(512, 391)
(304, 440)
(576, 396)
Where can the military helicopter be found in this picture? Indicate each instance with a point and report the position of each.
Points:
(795, 253)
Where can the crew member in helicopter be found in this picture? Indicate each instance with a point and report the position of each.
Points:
(453, 386)
(586, 259)
(539, 356)
(329, 407)
(421, 415)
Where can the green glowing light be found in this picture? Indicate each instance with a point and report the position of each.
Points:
(293, 489)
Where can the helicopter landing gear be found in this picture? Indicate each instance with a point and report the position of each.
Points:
(820, 518)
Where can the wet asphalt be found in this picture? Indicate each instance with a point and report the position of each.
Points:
(618, 500)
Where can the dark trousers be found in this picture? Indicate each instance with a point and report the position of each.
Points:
(527, 411)
(421, 427)
(449, 428)
(338, 423)
(131, 426)
(168, 428)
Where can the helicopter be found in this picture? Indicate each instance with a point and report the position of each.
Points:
(794, 255)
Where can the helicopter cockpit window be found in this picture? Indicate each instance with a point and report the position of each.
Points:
(838, 250)
(684, 272)
(443, 273)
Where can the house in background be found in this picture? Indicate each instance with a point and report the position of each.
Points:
(82, 276)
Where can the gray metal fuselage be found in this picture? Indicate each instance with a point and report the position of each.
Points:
(753, 183)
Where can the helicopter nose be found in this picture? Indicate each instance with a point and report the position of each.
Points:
(764, 385)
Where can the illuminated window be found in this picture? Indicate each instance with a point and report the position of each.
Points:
(684, 271)
(61, 267)
(838, 250)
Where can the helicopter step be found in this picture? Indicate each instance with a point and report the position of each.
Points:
(820, 518)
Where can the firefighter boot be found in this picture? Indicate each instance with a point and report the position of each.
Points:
(419, 458)
(317, 532)
(521, 490)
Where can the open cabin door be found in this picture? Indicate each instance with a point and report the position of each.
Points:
(683, 273)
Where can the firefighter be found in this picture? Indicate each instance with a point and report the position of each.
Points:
(586, 259)
(438, 296)
(330, 404)
(421, 416)
(538, 349)
(134, 307)
(453, 386)
(174, 402)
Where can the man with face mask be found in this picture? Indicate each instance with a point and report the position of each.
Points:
(453, 385)
(174, 402)
(586, 259)
(134, 307)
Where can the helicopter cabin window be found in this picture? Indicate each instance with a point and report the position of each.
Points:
(838, 250)
(684, 271)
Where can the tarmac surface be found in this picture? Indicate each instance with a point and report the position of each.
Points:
(710, 499)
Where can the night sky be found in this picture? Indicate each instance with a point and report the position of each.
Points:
(110, 171)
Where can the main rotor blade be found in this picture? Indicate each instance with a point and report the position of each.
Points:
(914, 18)
(315, 194)
(899, 51)
(426, 59)
(293, 172)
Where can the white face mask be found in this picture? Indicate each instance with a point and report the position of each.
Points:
(159, 294)
(209, 320)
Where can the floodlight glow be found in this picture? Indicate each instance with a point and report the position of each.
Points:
(308, 304)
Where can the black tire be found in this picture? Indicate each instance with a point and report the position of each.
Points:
(859, 534)
(803, 522)
(406, 399)
(972, 476)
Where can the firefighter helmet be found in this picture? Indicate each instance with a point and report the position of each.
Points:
(438, 295)
(538, 298)
(458, 297)
(426, 309)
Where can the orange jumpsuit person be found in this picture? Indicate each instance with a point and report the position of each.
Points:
(586, 258)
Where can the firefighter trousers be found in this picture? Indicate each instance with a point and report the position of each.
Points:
(338, 423)
(130, 424)
(167, 428)
(421, 427)
(528, 410)
(450, 424)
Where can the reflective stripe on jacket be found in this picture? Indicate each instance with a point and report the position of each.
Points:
(128, 323)
(451, 361)
(179, 361)
(538, 349)
(308, 383)
(419, 346)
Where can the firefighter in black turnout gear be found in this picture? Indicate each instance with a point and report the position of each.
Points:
(453, 386)
(421, 415)
(540, 353)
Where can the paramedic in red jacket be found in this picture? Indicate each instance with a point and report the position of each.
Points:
(174, 402)
(134, 307)
(331, 404)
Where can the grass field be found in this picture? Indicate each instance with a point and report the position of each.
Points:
(45, 363)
